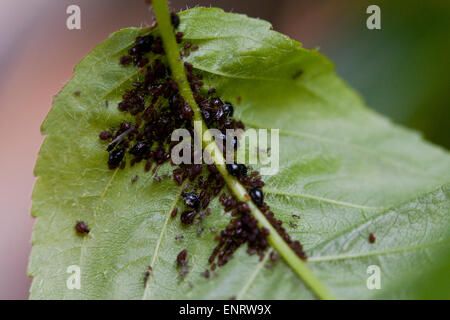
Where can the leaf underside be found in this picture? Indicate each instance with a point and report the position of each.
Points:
(344, 170)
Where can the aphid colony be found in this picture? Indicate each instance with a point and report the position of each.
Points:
(158, 109)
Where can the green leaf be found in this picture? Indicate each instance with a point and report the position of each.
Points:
(346, 171)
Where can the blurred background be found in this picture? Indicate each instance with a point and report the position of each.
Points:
(402, 71)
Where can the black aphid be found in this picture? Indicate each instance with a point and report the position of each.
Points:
(105, 135)
(175, 19)
(191, 199)
(243, 207)
(140, 149)
(157, 46)
(228, 109)
(187, 217)
(159, 69)
(116, 157)
(133, 51)
(187, 112)
(179, 37)
(206, 115)
(148, 272)
(257, 196)
(273, 256)
(181, 258)
(219, 115)
(125, 60)
(237, 169)
(174, 101)
(205, 274)
(144, 44)
(81, 227)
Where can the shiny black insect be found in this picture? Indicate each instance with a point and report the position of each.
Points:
(219, 114)
(207, 116)
(228, 109)
(257, 196)
(116, 157)
(237, 169)
(175, 19)
(191, 199)
(140, 149)
(81, 227)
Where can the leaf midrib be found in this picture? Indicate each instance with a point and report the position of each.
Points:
(179, 74)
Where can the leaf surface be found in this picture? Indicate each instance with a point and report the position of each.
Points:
(346, 171)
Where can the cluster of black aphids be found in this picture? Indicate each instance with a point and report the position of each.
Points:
(158, 109)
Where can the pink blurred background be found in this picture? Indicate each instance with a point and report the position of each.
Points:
(37, 55)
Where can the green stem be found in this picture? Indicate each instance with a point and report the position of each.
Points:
(276, 241)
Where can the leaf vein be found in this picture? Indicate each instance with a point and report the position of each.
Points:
(321, 199)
